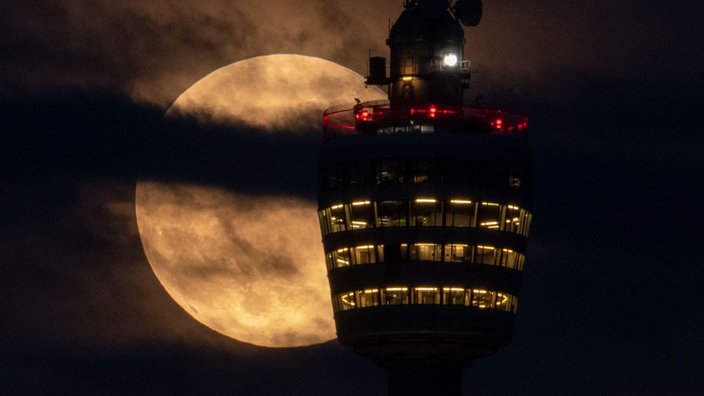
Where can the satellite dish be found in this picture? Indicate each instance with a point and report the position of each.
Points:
(432, 8)
(469, 12)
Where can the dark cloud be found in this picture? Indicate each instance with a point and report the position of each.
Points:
(153, 51)
(601, 38)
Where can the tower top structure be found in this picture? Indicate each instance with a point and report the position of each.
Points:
(427, 52)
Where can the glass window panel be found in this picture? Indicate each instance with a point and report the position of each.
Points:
(390, 172)
(337, 218)
(503, 302)
(421, 171)
(380, 253)
(395, 295)
(489, 215)
(329, 261)
(336, 304)
(482, 298)
(409, 65)
(515, 177)
(355, 174)
(323, 220)
(459, 213)
(341, 257)
(506, 302)
(387, 172)
(426, 213)
(485, 255)
(422, 178)
(392, 213)
(347, 301)
(453, 296)
(334, 177)
(361, 214)
(426, 295)
(368, 298)
(513, 219)
(527, 217)
(519, 261)
(425, 252)
(364, 254)
(507, 258)
(457, 253)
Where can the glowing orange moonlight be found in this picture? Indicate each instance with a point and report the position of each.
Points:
(249, 267)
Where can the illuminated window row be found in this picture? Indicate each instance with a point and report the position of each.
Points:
(424, 212)
(403, 295)
(434, 252)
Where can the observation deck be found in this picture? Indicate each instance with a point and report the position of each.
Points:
(424, 219)
(382, 118)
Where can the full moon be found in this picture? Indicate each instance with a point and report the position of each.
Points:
(249, 267)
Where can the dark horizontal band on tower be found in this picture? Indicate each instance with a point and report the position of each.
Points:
(476, 276)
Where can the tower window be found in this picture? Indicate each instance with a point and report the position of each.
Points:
(337, 218)
(458, 253)
(453, 296)
(485, 255)
(489, 215)
(460, 213)
(361, 215)
(512, 222)
(482, 298)
(392, 213)
(345, 301)
(341, 257)
(368, 298)
(395, 295)
(364, 254)
(426, 212)
(425, 252)
(426, 295)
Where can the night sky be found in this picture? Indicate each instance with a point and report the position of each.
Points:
(611, 294)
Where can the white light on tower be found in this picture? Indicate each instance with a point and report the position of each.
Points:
(449, 59)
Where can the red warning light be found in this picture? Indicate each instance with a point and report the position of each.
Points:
(432, 111)
(363, 115)
(498, 123)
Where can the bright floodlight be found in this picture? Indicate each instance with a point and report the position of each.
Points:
(449, 59)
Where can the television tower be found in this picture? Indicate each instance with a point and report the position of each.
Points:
(424, 209)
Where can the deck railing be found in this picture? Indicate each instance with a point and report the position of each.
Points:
(381, 117)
